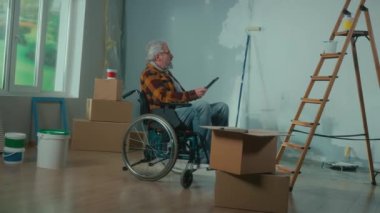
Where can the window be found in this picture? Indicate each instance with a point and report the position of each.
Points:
(3, 17)
(36, 43)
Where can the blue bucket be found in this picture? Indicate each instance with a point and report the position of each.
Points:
(13, 155)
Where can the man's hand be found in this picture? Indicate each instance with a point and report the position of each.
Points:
(201, 91)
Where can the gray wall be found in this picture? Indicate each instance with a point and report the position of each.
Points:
(207, 38)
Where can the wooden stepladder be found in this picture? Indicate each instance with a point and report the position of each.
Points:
(351, 36)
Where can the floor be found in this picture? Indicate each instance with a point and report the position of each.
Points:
(95, 182)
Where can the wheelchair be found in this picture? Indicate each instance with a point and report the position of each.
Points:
(157, 139)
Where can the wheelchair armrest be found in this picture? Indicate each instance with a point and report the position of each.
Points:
(125, 95)
(175, 105)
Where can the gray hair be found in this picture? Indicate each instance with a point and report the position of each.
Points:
(153, 48)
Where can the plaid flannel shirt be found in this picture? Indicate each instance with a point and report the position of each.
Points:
(159, 87)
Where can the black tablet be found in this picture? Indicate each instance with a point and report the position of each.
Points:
(211, 83)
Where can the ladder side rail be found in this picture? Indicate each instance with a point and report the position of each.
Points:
(373, 44)
(339, 21)
(363, 111)
(315, 73)
(311, 133)
(313, 129)
(309, 89)
(303, 155)
(339, 62)
(299, 111)
(343, 52)
(282, 148)
(350, 32)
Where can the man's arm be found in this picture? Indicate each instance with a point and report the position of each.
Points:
(162, 90)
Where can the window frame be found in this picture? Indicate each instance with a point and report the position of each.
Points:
(69, 50)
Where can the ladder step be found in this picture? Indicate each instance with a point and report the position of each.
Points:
(312, 100)
(284, 169)
(302, 123)
(322, 78)
(330, 55)
(357, 33)
(293, 146)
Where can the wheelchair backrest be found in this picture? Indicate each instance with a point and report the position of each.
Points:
(166, 111)
(144, 105)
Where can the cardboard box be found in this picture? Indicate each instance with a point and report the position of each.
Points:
(111, 111)
(258, 192)
(241, 151)
(98, 136)
(108, 89)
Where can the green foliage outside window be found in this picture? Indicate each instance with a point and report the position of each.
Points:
(26, 34)
(26, 52)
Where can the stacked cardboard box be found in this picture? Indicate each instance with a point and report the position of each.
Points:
(244, 161)
(107, 120)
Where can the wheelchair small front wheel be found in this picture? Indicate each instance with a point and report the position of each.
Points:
(150, 147)
(187, 178)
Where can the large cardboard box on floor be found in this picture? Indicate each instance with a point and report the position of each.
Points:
(257, 192)
(97, 136)
(241, 151)
(111, 111)
(108, 89)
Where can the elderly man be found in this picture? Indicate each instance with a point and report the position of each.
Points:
(160, 86)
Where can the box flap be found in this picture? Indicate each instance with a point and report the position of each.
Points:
(262, 132)
(254, 132)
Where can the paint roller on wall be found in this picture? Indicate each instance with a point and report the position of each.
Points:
(248, 29)
(253, 28)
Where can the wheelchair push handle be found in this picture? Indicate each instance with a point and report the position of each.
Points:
(129, 93)
(176, 105)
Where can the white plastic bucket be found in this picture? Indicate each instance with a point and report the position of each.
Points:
(13, 155)
(329, 46)
(15, 139)
(52, 149)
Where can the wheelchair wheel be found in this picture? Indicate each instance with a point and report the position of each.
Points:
(187, 178)
(150, 147)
